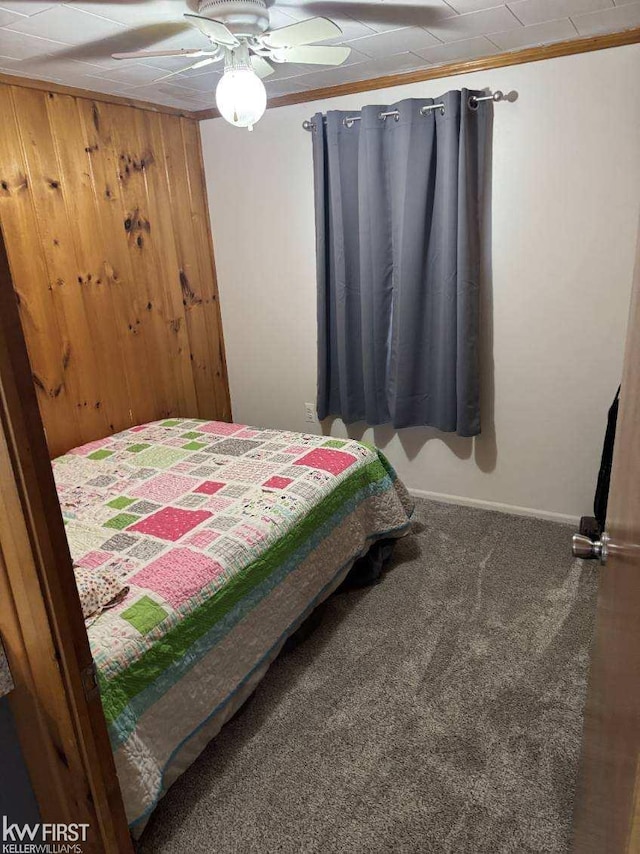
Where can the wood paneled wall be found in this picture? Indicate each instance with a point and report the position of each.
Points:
(105, 218)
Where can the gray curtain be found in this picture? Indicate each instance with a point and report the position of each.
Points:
(398, 253)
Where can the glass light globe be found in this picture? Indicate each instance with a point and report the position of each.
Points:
(241, 97)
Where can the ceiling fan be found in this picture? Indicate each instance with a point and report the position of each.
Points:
(239, 34)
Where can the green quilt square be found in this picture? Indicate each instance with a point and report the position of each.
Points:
(100, 455)
(172, 422)
(194, 446)
(144, 615)
(192, 434)
(121, 521)
(140, 446)
(158, 457)
(333, 443)
(120, 502)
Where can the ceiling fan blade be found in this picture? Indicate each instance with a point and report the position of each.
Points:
(207, 61)
(200, 64)
(301, 33)
(146, 54)
(261, 67)
(379, 15)
(213, 30)
(133, 39)
(313, 54)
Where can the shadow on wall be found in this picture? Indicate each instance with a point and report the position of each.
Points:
(483, 448)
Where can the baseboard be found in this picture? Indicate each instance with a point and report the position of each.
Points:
(495, 505)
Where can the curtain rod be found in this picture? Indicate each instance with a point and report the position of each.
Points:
(474, 100)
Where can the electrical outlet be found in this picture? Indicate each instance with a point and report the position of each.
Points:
(310, 413)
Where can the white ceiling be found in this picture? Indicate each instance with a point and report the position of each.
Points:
(71, 43)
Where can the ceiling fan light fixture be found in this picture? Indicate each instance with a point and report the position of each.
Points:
(239, 31)
(241, 96)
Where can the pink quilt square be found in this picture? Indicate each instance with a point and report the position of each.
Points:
(178, 575)
(326, 459)
(218, 504)
(170, 523)
(220, 428)
(277, 482)
(295, 449)
(246, 434)
(209, 487)
(202, 539)
(94, 559)
(164, 487)
(138, 429)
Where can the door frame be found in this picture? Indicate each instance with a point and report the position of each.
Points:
(607, 802)
(56, 703)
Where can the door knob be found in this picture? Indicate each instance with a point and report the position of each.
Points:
(587, 549)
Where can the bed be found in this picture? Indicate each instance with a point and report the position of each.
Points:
(221, 540)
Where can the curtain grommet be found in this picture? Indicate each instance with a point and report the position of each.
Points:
(430, 108)
(474, 100)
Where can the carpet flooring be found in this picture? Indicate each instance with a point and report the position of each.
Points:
(438, 711)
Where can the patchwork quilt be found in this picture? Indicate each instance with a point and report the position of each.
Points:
(224, 537)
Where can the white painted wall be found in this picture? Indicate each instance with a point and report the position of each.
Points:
(566, 198)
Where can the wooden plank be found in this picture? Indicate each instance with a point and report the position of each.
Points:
(133, 158)
(62, 733)
(192, 271)
(202, 226)
(485, 63)
(101, 97)
(39, 701)
(46, 186)
(31, 281)
(92, 267)
(128, 294)
(163, 242)
(154, 255)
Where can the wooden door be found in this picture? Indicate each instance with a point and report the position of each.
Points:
(607, 817)
(57, 710)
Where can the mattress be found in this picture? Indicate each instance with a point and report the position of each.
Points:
(225, 537)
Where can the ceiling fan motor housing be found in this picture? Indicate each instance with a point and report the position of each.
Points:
(242, 17)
